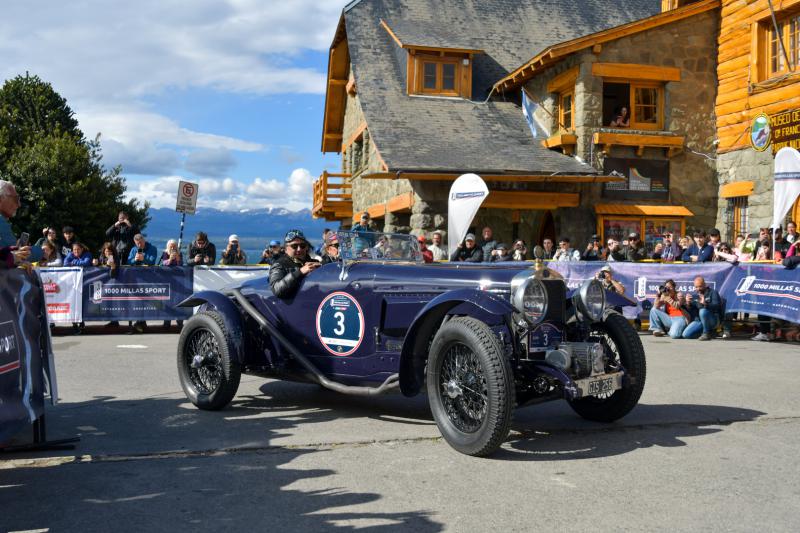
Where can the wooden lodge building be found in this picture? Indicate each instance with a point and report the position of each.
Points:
(422, 91)
(759, 85)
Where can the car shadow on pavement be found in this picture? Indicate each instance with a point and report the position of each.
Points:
(159, 464)
(646, 426)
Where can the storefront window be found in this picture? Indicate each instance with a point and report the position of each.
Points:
(655, 228)
(619, 227)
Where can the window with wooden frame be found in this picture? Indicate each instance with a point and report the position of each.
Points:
(736, 217)
(563, 86)
(440, 75)
(566, 110)
(643, 100)
(770, 59)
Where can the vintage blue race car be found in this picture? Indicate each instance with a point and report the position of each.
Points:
(480, 339)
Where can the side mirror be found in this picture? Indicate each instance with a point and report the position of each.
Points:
(538, 252)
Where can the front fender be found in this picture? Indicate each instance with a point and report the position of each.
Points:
(472, 302)
(230, 313)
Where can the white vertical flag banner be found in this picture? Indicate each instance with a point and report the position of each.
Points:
(787, 183)
(466, 196)
(528, 109)
(63, 293)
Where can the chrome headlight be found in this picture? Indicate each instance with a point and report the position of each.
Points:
(530, 299)
(591, 300)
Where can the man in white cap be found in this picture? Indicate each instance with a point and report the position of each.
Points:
(233, 254)
(609, 283)
(467, 251)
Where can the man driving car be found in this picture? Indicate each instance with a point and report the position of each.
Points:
(290, 269)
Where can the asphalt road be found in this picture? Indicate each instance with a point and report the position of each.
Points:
(713, 445)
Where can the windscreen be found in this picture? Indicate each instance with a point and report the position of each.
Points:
(366, 245)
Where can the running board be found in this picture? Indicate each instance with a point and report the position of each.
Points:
(391, 383)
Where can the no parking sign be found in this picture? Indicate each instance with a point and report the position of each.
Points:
(340, 324)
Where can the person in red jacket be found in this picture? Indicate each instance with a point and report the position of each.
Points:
(427, 255)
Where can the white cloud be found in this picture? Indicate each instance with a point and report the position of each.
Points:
(214, 163)
(109, 58)
(122, 49)
(229, 194)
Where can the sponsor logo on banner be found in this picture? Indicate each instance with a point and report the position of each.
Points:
(63, 288)
(751, 285)
(647, 289)
(465, 195)
(122, 292)
(9, 350)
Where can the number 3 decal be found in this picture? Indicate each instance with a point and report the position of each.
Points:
(339, 316)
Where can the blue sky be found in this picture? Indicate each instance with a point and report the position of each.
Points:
(227, 93)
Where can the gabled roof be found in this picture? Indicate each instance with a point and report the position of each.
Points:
(556, 52)
(452, 134)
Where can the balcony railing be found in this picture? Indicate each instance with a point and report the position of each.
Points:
(332, 197)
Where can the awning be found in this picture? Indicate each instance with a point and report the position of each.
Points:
(736, 189)
(643, 210)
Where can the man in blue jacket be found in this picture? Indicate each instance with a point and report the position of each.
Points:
(706, 308)
(143, 253)
(700, 251)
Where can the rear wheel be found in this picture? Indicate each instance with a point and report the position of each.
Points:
(208, 374)
(624, 349)
(470, 387)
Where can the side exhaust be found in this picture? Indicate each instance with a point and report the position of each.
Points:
(391, 383)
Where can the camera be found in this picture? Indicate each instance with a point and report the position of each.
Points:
(601, 275)
(661, 289)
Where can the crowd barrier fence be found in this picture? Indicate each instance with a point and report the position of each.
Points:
(152, 293)
(27, 372)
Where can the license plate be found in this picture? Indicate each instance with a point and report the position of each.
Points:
(600, 384)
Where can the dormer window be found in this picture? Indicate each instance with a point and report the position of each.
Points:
(438, 75)
(437, 65)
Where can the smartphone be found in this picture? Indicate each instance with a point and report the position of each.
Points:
(23, 239)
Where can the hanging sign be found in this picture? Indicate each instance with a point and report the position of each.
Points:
(760, 132)
(785, 130)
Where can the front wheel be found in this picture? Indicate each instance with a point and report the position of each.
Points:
(208, 374)
(624, 349)
(470, 387)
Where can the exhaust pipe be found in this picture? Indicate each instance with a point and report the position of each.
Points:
(391, 383)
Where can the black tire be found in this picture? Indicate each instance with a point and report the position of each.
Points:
(624, 348)
(213, 384)
(466, 352)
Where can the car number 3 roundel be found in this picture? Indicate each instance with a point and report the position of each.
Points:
(340, 324)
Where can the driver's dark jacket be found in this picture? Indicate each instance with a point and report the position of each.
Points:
(285, 275)
(465, 254)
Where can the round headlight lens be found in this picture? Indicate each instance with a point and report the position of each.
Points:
(592, 300)
(530, 299)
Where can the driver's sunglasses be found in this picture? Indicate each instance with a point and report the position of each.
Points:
(297, 246)
(201, 243)
(335, 245)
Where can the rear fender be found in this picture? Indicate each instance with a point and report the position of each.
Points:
(486, 306)
(231, 317)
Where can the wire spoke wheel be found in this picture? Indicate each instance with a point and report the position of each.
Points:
(625, 352)
(203, 358)
(463, 388)
(209, 375)
(470, 386)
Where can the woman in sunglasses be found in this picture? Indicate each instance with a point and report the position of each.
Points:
(288, 271)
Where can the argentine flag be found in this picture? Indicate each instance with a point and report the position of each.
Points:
(528, 109)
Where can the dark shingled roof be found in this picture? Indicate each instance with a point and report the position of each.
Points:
(453, 135)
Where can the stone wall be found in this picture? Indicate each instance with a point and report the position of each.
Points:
(748, 165)
(688, 111)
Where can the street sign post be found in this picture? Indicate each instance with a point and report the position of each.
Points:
(187, 203)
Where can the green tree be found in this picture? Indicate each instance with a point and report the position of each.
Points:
(58, 173)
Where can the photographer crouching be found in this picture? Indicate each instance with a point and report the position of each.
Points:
(669, 315)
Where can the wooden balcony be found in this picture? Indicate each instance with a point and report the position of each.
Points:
(333, 199)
